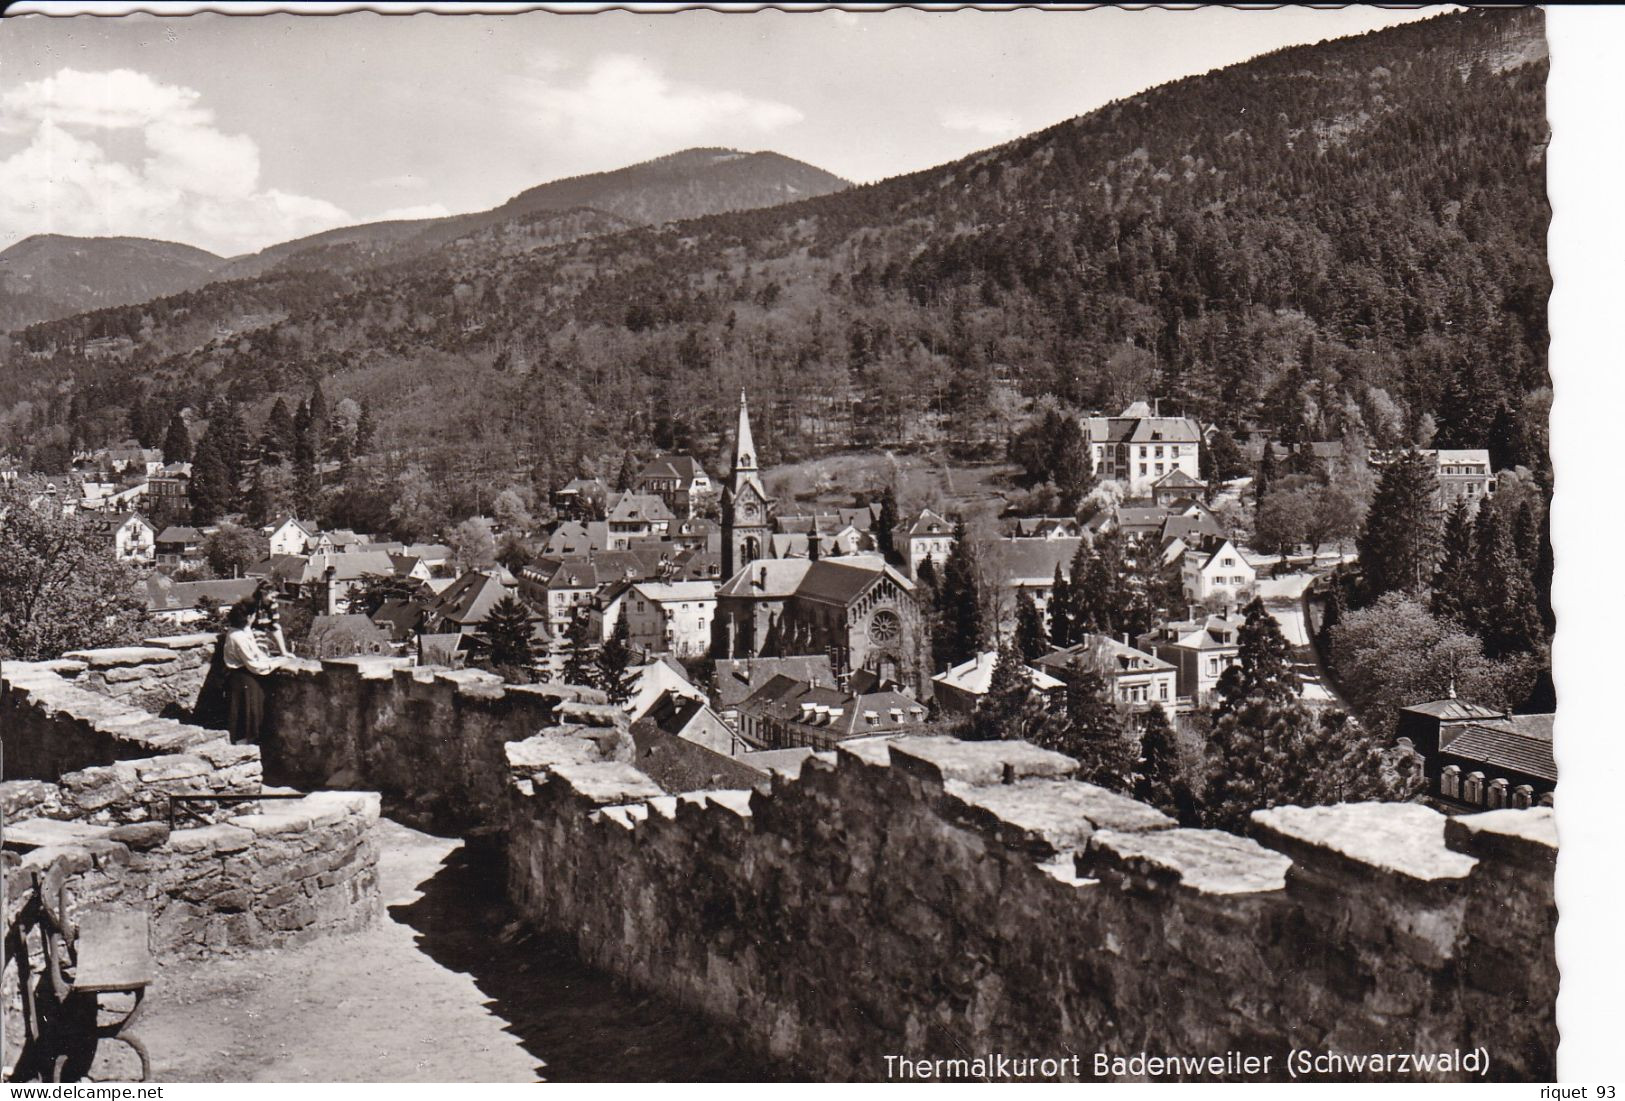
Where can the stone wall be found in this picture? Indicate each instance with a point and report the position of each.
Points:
(431, 740)
(162, 675)
(73, 752)
(296, 870)
(933, 898)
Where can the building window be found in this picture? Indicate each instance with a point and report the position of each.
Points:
(1523, 795)
(1472, 791)
(1162, 690)
(1450, 782)
(1498, 792)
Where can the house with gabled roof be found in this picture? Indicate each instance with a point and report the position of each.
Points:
(177, 545)
(1216, 569)
(129, 536)
(671, 617)
(678, 480)
(292, 536)
(1477, 758)
(635, 516)
(466, 603)
(928, 535)
(1176, 485)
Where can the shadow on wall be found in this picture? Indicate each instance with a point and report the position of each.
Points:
(581, 1023)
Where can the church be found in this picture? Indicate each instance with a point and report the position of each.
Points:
(856, 609)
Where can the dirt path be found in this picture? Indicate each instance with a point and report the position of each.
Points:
(444, 988)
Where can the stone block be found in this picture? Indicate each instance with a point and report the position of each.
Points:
(141, 836)
(1048, 817)
(1523, 837)
(219, 838)
(941, 759)
(542, 752)
(41, 833)
(1210, 862)
(112, 657)
(602, 783)
(1392, 840)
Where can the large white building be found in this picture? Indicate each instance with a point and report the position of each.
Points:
(1463, 473)
(1137, 447)
(671, 617)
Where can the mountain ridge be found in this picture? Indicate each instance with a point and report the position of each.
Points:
(1365, 254)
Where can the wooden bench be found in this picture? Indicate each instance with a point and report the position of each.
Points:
(101, 952)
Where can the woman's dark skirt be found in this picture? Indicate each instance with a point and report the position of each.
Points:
(245, 706)
(210, 709)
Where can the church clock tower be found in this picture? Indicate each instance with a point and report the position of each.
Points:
(744, 503)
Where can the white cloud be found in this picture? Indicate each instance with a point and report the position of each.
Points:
(196, 183)
(626, 109)
(411, 213)
(406, 181)
(993, 124)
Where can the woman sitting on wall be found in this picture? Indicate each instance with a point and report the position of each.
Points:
(246, 662)
(267, 622)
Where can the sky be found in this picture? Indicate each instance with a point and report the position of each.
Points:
(232, 133)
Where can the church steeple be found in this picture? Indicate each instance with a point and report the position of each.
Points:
(745, 527)
(744, 445)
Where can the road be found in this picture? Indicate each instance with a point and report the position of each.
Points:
(1283, 596)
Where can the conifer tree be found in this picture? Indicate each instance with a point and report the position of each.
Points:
(1263, 669)
(614, 659)
(1157, 780)
(1399, 543)
(1091, 731)
(1060, 611)
(177, 441)
(962, 615)
(1506, 614)
(581, 667)
(366, 431)
(1031, 641)
(629, 471)
(319, 422)
(1455, 582)
(886, 522)
(1003, 708)
(507, 630)
(1266, 472)
(210, 488)
(277, 439)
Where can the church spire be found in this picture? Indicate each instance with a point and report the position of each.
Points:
(744, 445)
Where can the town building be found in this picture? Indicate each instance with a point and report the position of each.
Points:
(674, 618)
(734, 679)
(691, 719)
(1138, 447)
(1463, 474)
(1199, 648)
(130, 537)
(292, 536)
(957, 691)
(634, 516)
(1027, 568)
(929, 535)
(1476, 758)
(178, 545)
(678, 480)
(1137, 679)
(1215, 569)
(858, 610)
(786, 712)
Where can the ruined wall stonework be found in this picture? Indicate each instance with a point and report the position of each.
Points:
(431, 740)
(936, 899)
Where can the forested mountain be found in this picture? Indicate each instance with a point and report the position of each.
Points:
(1331, 239)
(48, 276)
(689, 184)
